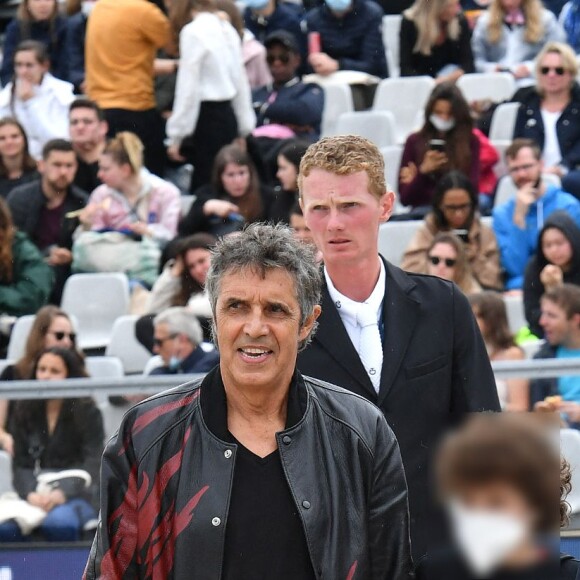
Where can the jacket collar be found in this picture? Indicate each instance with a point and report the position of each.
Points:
(400, 313)
(214, 407)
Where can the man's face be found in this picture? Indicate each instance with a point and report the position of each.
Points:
(85, 127)
(59, 169)
(343, 216)
(557, 326)
(258, 328)
(282, 63)
(524, 168)
(165, 344)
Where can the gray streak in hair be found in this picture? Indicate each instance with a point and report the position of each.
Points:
(262, 247)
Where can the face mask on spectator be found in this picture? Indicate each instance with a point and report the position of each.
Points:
(485, 537)
(174, 364)
(440, 124)
(257, 4)
(338, 5)
(87, 7)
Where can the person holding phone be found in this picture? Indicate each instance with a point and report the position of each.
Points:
(455, 211)
(445, 142)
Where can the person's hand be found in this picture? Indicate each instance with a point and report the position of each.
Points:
(571, 409)
(87, 215)
(140, 228)
(36, 499)
(521, 71)
(177, 267)
(54, 498)
(322, 64)
(7, 443)
(515, 292)
(433, 161)
(525, 196)
(546, 407)
(408, 173)
(24, 89)
(174, 154)
(220, 208)
(59, 256)
(552, 276)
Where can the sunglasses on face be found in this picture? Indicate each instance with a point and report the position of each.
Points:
(59, 335)
(559, 70)
(436, 260)
(159, 341)
(283, 58)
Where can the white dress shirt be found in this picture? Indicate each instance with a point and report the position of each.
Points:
(348, 309)
(211, 68)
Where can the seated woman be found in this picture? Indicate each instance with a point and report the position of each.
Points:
(234, 197)
(498, 478)
(434, 41)
(455, 210)
(491, 315)
(53, 435)
(51, 328)
(556, 262)
(445, 142)
(509, 36)
(131, 199)
(17, 166)
(181, 283)
(447, 259)
(36, 99)
(286, 196)
(550, 114)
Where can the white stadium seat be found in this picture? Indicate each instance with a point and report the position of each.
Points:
(19, 336)
(405, 97)
(391, 41)
(104, 367)
(125, 346)
(394, 237)
(392, 156)
(515, 313)
(377, 126)
(337, 100)
(496, 86)
(503, 122)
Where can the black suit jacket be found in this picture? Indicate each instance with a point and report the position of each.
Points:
(435, 370)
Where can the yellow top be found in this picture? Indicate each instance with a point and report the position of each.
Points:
(121, 43)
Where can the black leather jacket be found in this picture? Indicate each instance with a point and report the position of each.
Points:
(166, 482)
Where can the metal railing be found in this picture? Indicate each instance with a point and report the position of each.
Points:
(132, 384)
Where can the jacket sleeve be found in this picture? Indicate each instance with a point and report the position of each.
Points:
(473, 384)
(163, 291)
(114, 550)
(413, 193)
(75, 49)
(242, 101)
(415, 257)
(168, 209)
(154, 25)
(465, 53)
(479, 44)
(303, 109)
(371, 57)
(390, 553)
(195, 220)
(407, 39)
(11, 41)
(32, 282)
(533, 290)
(513, 246)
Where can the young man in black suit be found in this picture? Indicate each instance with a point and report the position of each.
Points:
(408, 343)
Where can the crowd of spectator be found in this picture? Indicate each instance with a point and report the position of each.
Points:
(102, 109)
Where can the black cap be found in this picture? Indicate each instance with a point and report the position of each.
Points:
(283, 37)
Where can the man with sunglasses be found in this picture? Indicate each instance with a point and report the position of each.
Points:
(517, 222)
(406, 342)
(287, 107)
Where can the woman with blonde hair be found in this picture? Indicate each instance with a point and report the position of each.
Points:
(510, 35)
(550, 114)
(435, 40)
(131, 199)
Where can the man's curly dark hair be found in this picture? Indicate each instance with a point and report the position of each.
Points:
(565, 489)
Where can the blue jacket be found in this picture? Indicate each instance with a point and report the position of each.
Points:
(198, 361)
(74, 47)
(517, 246)
(41, 32)
(529, 124)
(355, 40)
(285, 17)
(298, 105)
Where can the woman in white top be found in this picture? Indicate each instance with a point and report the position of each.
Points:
(491, 315)
(213, 104)
(509, 36)
(36, 99)
(550, 114)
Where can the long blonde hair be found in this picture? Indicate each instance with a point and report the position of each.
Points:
(425, 15)
(534, 27)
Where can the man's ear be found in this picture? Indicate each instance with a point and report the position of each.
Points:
(309, 323)
(387, 204)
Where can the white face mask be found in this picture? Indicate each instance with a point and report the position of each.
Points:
(485, 537)
(87, 6)
(440, 124)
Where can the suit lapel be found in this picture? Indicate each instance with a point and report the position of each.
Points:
(332, 335)
(400, 313)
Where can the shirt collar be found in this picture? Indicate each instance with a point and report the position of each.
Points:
(347, 307)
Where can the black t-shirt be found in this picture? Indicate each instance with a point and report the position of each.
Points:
(264, 534)
(86, 175)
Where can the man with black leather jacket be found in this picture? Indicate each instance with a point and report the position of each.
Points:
(255, 472)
